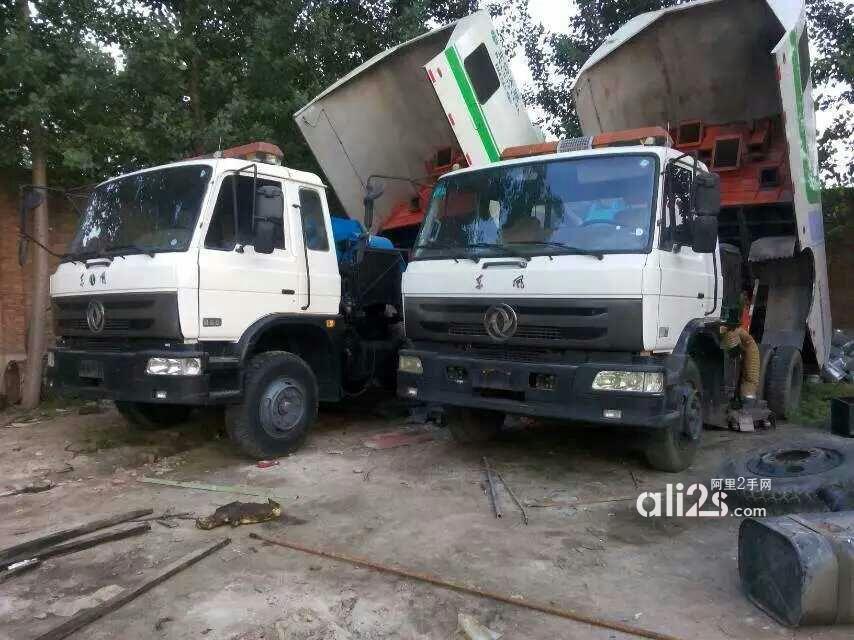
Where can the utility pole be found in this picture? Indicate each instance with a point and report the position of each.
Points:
(39, 295)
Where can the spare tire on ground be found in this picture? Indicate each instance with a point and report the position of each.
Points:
(812, 473)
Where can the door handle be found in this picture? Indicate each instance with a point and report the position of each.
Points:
(288, 292)
(701, 295)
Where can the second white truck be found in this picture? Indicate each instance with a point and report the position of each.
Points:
(664, 272)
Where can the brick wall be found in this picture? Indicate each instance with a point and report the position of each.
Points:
(16, 281)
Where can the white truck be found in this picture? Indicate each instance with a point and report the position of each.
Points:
(215, 281)
(584, 279)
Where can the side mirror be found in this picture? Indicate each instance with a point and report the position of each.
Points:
(372, 192)
(265, 232)
(704, 234)
(269, 210)
(707, 194)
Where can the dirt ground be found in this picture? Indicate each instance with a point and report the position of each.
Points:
(420, 506)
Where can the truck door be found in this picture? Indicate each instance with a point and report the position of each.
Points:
(321, 279)
(687, 279)
(238, 286)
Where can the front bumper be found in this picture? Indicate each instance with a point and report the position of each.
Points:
(510, 387)
(121, 376)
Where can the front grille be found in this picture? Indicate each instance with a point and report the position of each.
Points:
(528, 332)
(126, 315)
(111, 324)
(548, 323)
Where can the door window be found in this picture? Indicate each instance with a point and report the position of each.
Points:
(482, 73)
(679, 181)
(313, 224)
(221, 234)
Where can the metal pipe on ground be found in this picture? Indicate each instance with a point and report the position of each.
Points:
(567, 614)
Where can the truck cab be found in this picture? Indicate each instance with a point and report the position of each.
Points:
(215, 281)
(581, 285)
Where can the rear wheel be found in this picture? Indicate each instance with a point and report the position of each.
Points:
(279, 406)
(469, 426)
(676, 446)
(147, 416)
(784, 381)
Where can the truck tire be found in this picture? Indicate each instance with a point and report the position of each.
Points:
(148, 416)
(674, 448)
(469, 426)
(807, 474)
(784, 381)
(279, 406)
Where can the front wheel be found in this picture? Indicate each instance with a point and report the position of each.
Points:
(148, 416)
(279, 406)
(468, 426)
(676, 446)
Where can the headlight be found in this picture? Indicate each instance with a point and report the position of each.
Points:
(410, 364)
(174, 366)
(638, 381)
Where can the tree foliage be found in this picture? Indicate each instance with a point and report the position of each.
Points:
(56, 81)
(158, 80)
(832, 34)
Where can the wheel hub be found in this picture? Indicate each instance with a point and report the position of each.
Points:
(794, 462)
(282, 407)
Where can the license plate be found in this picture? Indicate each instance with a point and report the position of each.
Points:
(495, 378)
(90, 369)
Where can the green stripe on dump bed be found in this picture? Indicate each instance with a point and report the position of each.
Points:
(475, 112)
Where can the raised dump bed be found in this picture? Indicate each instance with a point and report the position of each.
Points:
(730, 81)
(442, 99)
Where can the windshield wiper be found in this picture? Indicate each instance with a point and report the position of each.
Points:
(446, 246)
(599, 255)
(133, 247)
(503, 248)
(80, 256)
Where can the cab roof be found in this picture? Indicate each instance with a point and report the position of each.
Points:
(221, 165)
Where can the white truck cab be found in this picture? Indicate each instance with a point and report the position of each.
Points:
(217, 281)
(583, 285)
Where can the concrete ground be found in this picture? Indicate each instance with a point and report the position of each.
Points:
(419, 506)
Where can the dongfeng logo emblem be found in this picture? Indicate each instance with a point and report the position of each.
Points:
(500, 322)
(95, 316)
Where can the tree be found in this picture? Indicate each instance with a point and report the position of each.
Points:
(55, 111)
(831, 25)
(200, 75)
(556, 58)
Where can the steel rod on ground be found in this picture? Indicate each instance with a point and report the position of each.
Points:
(462, 588)
(490, 487)
(513, 496)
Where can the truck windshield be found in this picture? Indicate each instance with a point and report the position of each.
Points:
(595, 204)
(146, 212)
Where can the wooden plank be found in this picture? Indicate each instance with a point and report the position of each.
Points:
(79, 545)
(19, 568)
(87, 616)
(32, 547)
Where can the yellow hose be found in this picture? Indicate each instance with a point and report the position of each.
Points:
(750, 367)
